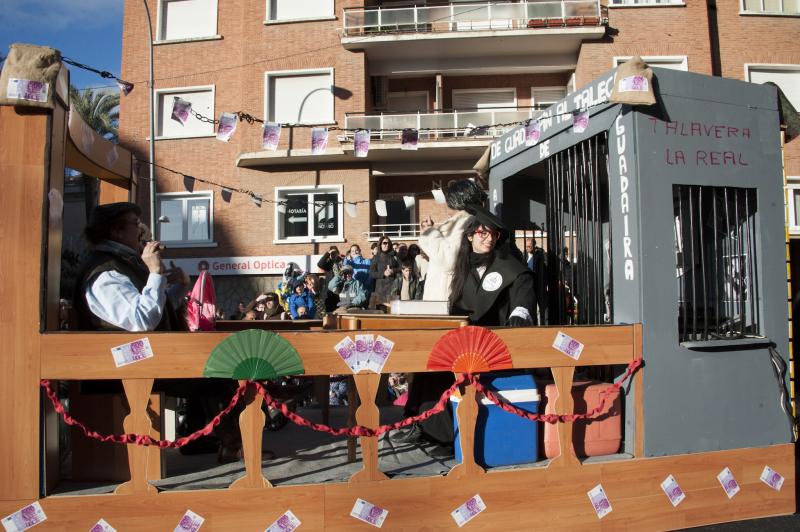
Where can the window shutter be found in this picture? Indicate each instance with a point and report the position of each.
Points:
(185, 19)
(547, 95)
(301, 99)
(202, 102)
(485, 99)
(295, 9)
(787, 80)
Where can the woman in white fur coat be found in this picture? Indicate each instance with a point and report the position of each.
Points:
(441, 242)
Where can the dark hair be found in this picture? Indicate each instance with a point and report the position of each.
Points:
(381, 240)
(462, 265)
(463, 193)
(315, 281)
(107, 218)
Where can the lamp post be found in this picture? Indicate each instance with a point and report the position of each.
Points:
(152, 125)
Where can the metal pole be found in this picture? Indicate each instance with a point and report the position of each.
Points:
(152, 127)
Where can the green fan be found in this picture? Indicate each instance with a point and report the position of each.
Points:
(253, 355)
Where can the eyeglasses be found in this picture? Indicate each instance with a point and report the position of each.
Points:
(486, 233)
(384, 244)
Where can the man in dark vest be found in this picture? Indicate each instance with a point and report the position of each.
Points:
(123, 286)
(118, 289)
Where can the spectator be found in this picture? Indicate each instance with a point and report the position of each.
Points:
(374, 249)
(406, 285)
(441, 243)
(330, 262)
(301, 298)
(324, 300)
(351, 292)
(302, 313)
(266, 307)
(250, 315)
(420, 264)
(360, 266)
(383, 270)
(401, 254)
(241, 309)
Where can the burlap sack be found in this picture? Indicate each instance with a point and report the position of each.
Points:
(26, 62)
(633, 83)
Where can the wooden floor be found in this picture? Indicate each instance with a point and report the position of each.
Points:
(551, 498)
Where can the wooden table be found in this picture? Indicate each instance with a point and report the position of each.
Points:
(355, 321)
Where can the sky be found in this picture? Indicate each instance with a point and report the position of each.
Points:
(88, 31)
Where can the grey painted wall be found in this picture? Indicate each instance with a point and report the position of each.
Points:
(694, 400)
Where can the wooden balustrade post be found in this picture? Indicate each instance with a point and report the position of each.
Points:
(137, 392)
(564, 405)
(251, 426)
(368, 415)
(467, 414)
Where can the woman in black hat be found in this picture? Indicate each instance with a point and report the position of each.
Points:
(491, 283)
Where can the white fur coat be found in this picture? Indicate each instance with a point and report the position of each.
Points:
(441, 245)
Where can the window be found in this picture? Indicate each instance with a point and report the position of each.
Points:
(308, 214)
(286, 10)
(399, 222)
(484, 99)
(299, 97)
(202, 99)
(793, 199)
(787, 77)
(645, 2)
(771, 7)
(186, 19)
(716, 263)
(674, 62)
(544, 97)
(190, 218)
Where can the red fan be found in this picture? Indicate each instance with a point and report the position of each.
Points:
(470, 350)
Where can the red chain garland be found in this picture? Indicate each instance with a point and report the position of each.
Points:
(559, 418)
(140, 439)
(358, 430)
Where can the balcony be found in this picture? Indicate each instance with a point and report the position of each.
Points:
(470, 17)
(402, 232)
(404, 35)
(450, 124)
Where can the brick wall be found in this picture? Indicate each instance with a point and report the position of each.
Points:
(647, 31)
(753, 39)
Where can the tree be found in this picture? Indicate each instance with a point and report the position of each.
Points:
(98, 109)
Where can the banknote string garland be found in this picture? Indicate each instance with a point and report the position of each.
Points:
(357, 430)
(125, 87)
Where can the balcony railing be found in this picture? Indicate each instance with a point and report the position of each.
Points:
(471, 17)
(450, 123)
(395, 231)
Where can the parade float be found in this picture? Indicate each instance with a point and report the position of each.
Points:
(664, 231)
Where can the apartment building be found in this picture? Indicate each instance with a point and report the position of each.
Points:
(454, 71)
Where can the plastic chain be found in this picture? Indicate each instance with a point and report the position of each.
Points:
(358, 430)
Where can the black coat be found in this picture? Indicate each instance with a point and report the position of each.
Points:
(383, 285)
(489, 300)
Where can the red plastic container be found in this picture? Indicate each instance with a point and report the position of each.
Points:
(597, 437)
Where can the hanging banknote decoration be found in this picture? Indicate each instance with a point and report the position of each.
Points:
(380, 207)
(181, 109)
(409, 139)
(319, 140)
(361, 143)
(271, 137)
(227, 126)
(350, 209)
(533, 132)
(124, 87)
(580, 121)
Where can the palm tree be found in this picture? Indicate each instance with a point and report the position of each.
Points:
(99, 110)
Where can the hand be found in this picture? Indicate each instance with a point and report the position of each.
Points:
(151, 256)
(426, 223)
(516, 321)
(388, 272)
(177, 276)
(262, 297)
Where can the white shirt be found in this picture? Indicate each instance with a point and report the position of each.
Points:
(113, 298)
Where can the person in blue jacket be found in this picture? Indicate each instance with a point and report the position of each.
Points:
(360, 265)
(301, 298)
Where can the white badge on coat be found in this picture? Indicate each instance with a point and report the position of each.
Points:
(492, 282)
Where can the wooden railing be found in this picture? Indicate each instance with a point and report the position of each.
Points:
(180, 355)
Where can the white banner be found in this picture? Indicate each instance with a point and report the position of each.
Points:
(263, 265)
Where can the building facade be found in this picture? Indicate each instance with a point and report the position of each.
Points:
(457, 72)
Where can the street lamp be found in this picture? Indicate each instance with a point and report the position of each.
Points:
(152, 124)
